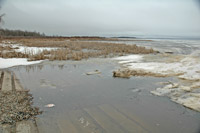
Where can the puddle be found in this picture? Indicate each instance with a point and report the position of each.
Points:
(102, 103)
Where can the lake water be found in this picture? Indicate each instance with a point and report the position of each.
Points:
(177, 46)
(101, 103)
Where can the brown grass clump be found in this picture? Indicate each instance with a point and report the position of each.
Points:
(5, 48)
(127, 73)
(122, 74)
(13, 54)
(39, 56)
(70, 49)
(60, 54)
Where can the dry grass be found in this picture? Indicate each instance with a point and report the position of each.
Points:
(13, 54)
(70, 49)
(127, 73)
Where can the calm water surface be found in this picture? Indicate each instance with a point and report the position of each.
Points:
(101, 103)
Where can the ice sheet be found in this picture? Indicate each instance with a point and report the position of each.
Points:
(187, 68)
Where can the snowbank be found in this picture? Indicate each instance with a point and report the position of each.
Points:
(10, 62)
(6, 63)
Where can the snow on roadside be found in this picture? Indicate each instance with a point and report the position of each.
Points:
(10, 62)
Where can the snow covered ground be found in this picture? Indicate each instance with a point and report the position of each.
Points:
(187, 67)
(10, 62)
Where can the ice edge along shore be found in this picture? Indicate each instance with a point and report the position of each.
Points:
(185, 68)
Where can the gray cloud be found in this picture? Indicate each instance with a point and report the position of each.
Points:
(1, 2)
(198, 2)
(95, 17)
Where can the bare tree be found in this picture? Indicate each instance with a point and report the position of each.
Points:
(1, 16)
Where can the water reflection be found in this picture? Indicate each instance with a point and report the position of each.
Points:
(39, 67)
(60, 67)
(104, 99)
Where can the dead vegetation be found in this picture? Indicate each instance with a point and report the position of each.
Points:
(127, 73)
(69, 49)
(16, 106)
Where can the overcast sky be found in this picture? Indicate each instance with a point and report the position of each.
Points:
(104, 17)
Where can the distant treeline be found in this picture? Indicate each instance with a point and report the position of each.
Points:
(6, 32)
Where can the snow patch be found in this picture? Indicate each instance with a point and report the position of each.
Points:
(6, 63)
(28, 50)
(129, 59)
(33, 50)
(187, 68)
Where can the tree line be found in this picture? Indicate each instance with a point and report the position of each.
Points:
(7, 32)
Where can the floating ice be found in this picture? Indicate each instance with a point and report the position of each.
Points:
(50, 105)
